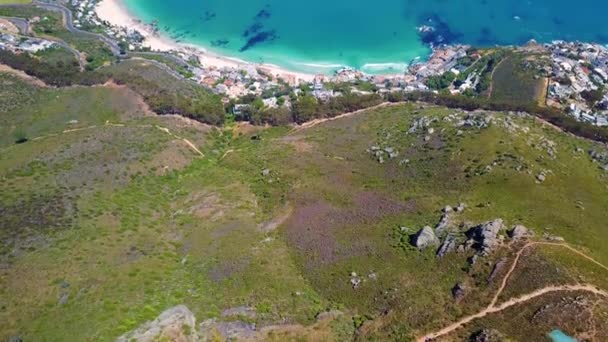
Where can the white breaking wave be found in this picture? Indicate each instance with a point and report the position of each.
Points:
(321, 65)
(385, 66)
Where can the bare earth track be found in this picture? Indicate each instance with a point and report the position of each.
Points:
(493, 307)
(316, 122)
(109, 124)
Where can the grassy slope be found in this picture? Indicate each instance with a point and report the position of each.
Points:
(49, 110)
(337, 169)
(141, 223)
(11, 2)
(513, 83)
(132, 237)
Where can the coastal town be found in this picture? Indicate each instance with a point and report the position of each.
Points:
(579, 75)
(18, 44)
(576, 73)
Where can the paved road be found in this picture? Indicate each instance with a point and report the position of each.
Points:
(164, 54)
(22, 24)
(68, 21)
(162, 66)
(24, 28)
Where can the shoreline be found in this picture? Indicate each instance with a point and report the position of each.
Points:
(115, 13)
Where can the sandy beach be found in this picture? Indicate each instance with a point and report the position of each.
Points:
(115, 13)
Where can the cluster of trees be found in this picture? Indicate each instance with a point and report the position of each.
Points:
(438, 82)
(485, 77)
(593, 96)
(192, 101)
(59, 73)
(304, 108)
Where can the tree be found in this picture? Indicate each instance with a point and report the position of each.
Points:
(439, 82)
(305, 109)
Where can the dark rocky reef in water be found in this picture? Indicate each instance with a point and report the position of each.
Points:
(261, 37)
(440, 32)
(256, 32)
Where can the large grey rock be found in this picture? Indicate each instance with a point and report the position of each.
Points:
(355, 280)
(175, 324)
(448, 245)
(497, 269)
(541, 177)
(424, 238)
(475, 121)
(443, 224)
(214, 330)
(487, 335)
(459, 291)
(485, 236)
(519, 232)
(242, 311)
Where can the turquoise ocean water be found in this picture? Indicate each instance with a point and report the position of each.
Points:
(376, 36)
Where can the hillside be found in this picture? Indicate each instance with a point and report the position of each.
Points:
(112, 215)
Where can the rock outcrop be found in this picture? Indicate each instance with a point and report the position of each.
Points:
(485, 237)
(475, 120)
(355, 281)
(459, 291)
(497, 269)
(425, 238)
(448, 245)
(240, 311)
(519, 232)
(487, 335)
(444, 223)
(175, 324)
(214, 330)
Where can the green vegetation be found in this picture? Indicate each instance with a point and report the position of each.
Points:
(517, 80)
(113, 220)
(32, 111)
(60, 70)
(112, 214)
(15, 93)
(111, 189)
(50, 25)
(441, 81)
(551, 115)
(487, 64)
(166, 94)
(182, 69)
(96, 52)
(593, 96)
(29, 12)
(11, 2)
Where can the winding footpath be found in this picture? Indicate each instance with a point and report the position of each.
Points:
(493, 307)
(166, 130)
(316, 122)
